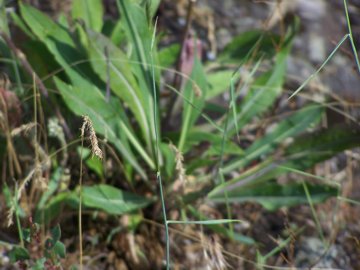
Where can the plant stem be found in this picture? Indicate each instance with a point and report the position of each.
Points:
(157, 152)
(80, 203)
(18, 224)
(351, 36)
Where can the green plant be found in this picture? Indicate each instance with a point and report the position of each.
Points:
(38, 254)
(112, 73)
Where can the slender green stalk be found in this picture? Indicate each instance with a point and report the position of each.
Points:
(320, 68)
(185, 128)
(233, 106)
(351, 36)
(80, 204)
(228, 208)
(157, 151)
(18, 223)
(348, 200)
(158, 177)
(204, 222)
(313, 211)
(220, 172)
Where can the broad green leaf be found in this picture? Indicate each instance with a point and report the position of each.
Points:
(293, 125)
(39, 264)
(112, 200)
(56, 233)
(214, 142)
(63, 20)
(4, 26)
(58, 41)
(106, 119)
(26, 232)
(91, 12)
(273, 196)
(151, 8)
(115, 67)
(16, 20)
(219, 82)
(18, 253)
(94, 164)
(51, 187)
(302, 154)
(169, 160)
(195, 92)
(139, 35)
(256, 41)
(42, 60)
(44, 27)
(60, 249)
(169, 55)
(321, 145)
(55, 205)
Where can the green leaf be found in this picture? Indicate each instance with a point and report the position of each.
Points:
(58, 41)
(91, 12)
(16, 20)
(18, 253)
(56, 233)
(219, 82)
(263, 92)
(257, 44)
(196, 137)
(223, 230)
(139, 36)
(26, 232)
(7, 194)
(321, 145)
(169, 55)
(60, 249)
(55, 205)
(265, 89)
(198, 83)
(302, 154)
(44, 27)
(51, 188)
(115, 67)
(273, 196)
(112, 200)
(264, 44)
(106, 118)
(298, 122)
(39, 264)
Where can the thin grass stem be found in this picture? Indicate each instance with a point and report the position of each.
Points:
(18, 223)
(313, 211)
(320, 68)
(157, 151)
(80, 205)
(351, 35)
